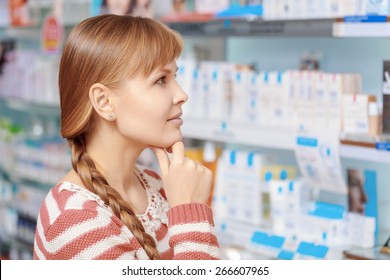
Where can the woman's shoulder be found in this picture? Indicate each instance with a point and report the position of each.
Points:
(67, 205)
(72, 220)
(67, 197)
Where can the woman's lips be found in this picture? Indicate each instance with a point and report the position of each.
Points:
(176, 119)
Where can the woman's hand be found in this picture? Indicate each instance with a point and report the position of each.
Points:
(184, 180)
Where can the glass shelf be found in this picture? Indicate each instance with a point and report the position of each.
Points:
(270, 137)
(31, 107)
(16, 177)
(329, 27)
(249, 26)
(256, 27)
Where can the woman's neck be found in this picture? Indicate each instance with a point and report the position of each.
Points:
(115, 158)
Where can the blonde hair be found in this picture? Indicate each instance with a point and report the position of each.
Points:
(108, 49)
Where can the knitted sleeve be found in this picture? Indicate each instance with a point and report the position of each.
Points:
(83, 234)
(192, 232)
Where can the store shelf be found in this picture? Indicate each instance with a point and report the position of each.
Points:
(239, 133)
(267, 137)
(17, 177)
(254, 27)
(364, 153)
(31, 106)
(282, 28)
(250, 26)
(366, 254)
(30, 33)
(372, 29)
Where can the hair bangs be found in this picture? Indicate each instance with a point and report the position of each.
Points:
(156, 48)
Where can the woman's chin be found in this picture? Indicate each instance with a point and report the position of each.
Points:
(169, 145)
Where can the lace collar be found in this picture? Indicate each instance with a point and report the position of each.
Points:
(157, 210)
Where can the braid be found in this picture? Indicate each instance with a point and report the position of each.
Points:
(94, 181)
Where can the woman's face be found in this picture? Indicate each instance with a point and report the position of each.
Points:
(148, 109)
(118, 7)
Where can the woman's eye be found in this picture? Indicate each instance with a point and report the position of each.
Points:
(162, 81)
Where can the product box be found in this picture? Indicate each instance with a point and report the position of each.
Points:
(242, 89)
(278, 206)
(375, 7)
(306, 111)
(323, 224)
(279, 82)
(211, 6)
(273, 91)
(311, 251)
(339, 85)
(355, 113)
(266, 99)
(298, 8)
(344, 8)
(266, 244)
(187, 75)
(217, 87)
(289, 200)
(240, 95)
(238, 186)
(360, 230)
(271, 173)
(320, 99)
(292, 98)
(253, 113)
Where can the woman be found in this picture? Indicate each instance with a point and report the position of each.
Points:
(119, 97)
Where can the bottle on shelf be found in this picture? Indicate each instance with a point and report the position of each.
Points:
(374, 119)
(380, 112)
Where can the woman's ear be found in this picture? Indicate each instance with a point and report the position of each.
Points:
(100, 97)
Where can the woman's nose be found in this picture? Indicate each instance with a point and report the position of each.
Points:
(180, 95)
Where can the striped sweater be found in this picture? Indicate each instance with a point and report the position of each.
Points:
(75, 223)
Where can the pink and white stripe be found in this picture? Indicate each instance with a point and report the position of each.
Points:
(74, 224)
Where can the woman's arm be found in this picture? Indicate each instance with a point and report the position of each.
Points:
(192, 232)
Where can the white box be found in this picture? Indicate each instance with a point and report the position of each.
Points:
(242, 185)
(355, 113)
(211, 6)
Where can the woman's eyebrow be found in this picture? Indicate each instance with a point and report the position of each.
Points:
(165, 71)
(168, 70)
